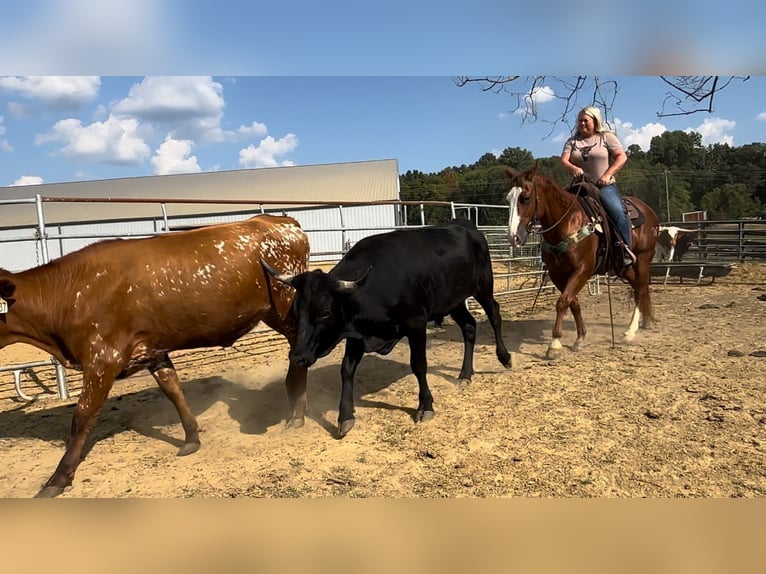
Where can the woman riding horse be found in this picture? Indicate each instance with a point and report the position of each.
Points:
(571, 247)
(595, 153)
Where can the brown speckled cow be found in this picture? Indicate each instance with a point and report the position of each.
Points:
(121, 305)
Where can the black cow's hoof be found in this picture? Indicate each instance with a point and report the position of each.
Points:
(506, 361)
(49, 492)
(424, 416)
(188, 448)
(295, 423)
(345, 426)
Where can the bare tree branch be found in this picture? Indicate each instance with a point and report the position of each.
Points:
(693, 94)
(688, 95)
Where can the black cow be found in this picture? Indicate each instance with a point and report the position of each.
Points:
(387, 287)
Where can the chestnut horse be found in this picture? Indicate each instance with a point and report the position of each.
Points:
(572, 248)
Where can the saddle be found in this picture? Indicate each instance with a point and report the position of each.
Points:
(610, 252)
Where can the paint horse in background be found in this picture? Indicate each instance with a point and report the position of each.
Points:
(576, 245)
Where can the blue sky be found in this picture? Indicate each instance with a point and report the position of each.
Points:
(55, 129)
(95, 89)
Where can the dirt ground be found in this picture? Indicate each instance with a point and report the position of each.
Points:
(679, 413)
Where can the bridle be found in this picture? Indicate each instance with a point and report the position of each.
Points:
(535, 221)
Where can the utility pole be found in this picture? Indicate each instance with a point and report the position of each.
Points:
(667, 194)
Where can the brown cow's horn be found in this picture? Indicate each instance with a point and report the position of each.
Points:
(278, 275)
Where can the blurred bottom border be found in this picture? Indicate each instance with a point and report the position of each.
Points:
(377, 535)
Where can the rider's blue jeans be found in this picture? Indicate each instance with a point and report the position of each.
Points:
(612, 201)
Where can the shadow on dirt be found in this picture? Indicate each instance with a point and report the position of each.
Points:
(257, 406)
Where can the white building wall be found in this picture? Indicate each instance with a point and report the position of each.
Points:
(324, 227)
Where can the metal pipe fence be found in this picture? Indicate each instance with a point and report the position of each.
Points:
(518, 271)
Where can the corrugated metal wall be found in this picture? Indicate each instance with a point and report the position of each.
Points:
(327, 229)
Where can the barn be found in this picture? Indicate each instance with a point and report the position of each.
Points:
(325, 199)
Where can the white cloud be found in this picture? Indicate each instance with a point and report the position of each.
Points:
(189, 107)
(28, 180)
(114, 140)
(256, 129)
(172, 98)
(173, 156)
(641, 136)
(713, 131)
(541, 95)
(267, 151)
(64, 92)
(761, 116)
(19, 111)
(4, 145)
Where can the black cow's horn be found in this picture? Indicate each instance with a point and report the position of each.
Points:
(278, 275)
(343, 286)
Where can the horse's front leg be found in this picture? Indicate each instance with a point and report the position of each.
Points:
(574, 306)
(567, 299)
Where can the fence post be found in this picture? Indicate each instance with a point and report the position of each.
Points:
(741, 229)
(43, 238)
(342, 231)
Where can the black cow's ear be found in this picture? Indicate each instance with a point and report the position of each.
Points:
(7, 288)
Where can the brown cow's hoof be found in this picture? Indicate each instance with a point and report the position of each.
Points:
(188, 448)
(424, 416)
(49, 492)
(295, 423)
(345, 427)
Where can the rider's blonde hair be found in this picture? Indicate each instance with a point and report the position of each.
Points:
(594, 113)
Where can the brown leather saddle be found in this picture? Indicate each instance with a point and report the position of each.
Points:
(610, 252)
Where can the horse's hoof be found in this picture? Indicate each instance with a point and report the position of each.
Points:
(424, 416)
(49, 491)
(188, 448)
(577, 347)
(553, 354)
(295, 423)
(462, 383)
(506, 360)
(345, 426)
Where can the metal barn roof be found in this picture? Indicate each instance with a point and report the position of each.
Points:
(366, 181)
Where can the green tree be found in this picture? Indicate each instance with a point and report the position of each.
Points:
(731, 201)
(517, 158)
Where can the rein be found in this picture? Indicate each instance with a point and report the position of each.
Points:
(564, 244)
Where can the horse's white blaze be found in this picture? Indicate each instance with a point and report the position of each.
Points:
(635, 320)
(516, 233)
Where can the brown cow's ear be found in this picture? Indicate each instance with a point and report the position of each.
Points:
(7, 288)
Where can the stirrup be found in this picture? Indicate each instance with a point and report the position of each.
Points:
(629, 257)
